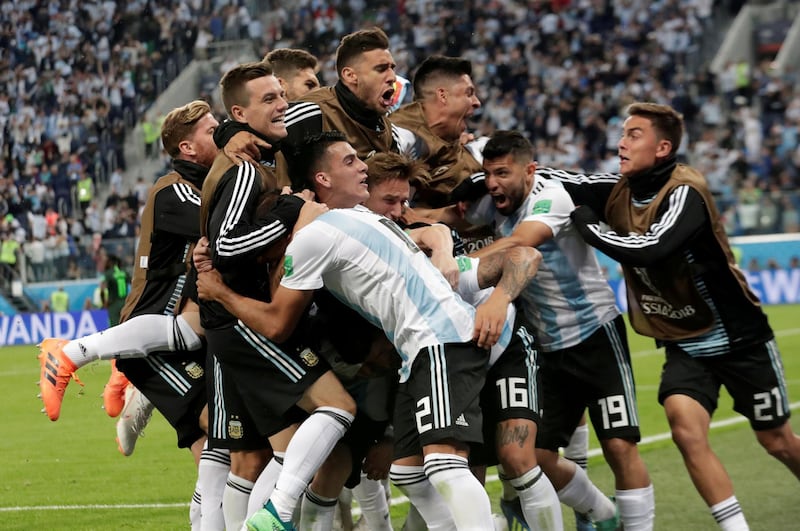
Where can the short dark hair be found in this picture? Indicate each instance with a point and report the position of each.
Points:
(309, 156)
(388, 166)
(286, 61)
(438, 67)
(354, 44)
(667, 122)
(232, 84)
(513, 143)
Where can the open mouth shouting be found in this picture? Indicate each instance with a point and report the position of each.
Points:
(387, 98)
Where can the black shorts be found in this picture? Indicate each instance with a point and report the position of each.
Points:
(511, 390)
(595, 374)
(175, 382)
(753, 376)
(255, 387)
(440, 399)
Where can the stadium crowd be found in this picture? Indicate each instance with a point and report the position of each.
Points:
(77, 75)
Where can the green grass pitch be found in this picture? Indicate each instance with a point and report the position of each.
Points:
(68, 475)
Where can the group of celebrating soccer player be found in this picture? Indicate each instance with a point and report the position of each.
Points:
(331, 291)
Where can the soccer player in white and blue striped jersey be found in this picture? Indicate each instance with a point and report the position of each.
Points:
(586, 361)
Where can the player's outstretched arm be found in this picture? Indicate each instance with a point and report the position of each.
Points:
(275, 320)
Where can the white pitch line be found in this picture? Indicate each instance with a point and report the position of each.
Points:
(394, 501)
(94, 506)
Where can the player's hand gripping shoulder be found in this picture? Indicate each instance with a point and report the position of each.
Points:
(245, 146)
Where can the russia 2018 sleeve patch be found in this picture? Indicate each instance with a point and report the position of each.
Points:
(542, 207)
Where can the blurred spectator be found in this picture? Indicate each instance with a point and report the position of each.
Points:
(85, 188)
(35, 254)
(790, 218)
(114, 288)
(9, 257)
(59, 300)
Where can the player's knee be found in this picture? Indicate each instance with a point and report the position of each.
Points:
(516, 460)
(346, 403)
(248, 464)
(339, 400)
(687, 439)
(780, 443)
(619, 451)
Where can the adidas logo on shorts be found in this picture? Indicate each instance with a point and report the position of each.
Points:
(461, 421)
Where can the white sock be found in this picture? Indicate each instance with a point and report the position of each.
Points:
(728, 514)
(234, 501)
(317, 512)
(307, 450)
(135, 338)
(212, 476)
(460, 490)
(509, 493)
(415, 522)
(583, 496)
(265, 484)
(371, 497)
(412, 481)
(577, 450)
(637, 508)
(195, 512)
(539, 501)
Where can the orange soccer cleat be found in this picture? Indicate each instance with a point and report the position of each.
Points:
(56, 371)
(114, 391)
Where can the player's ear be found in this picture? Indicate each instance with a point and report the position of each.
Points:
(441, 94)
(349, 75)
(321, 178)
(663, 148)
(237, 113)
(186, 147)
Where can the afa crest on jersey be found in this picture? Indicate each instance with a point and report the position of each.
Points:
(194, 370)
(235, 429)
(309, 358)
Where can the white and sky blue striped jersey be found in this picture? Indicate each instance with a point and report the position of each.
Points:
(372, 266)
(569, 299)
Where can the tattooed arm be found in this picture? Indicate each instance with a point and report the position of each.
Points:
(509, 272)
